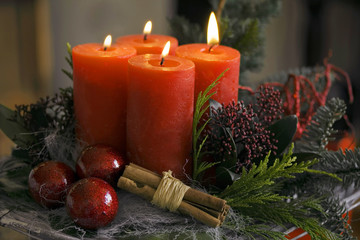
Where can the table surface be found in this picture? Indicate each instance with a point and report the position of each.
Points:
(28, 218)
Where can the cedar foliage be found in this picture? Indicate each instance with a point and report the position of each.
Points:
(253, 196)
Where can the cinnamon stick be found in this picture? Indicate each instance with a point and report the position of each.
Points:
(148, 192)
(130, 186)
(219, 215)
(210, 211)
(146, 177)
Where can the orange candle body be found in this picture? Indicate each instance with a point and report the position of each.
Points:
(209, 65)
(154, 44)
(160, 113)
(100, 85)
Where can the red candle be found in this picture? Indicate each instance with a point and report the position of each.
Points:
(100, 85)
(160, 113)
(149, 43)
(210, 61)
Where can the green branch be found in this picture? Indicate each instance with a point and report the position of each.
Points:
(200, 109)
(320, 130)
(253, 196)
(69, 61)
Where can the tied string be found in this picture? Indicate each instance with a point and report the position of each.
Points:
(170, 192)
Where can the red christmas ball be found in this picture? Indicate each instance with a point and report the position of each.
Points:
(100, 161)
(92, 203)
(49, 181)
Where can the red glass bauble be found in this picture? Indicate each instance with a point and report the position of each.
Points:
(92, 203)
(49, 181)
(100, 161)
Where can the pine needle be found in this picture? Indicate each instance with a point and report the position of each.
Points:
(320, 130)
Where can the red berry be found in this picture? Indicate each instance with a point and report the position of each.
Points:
(100, 161)
(92, 203)
(49, 181)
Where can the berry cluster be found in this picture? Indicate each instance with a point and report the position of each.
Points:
(240, 130)
(269, 105)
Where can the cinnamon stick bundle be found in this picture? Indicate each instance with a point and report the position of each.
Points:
(204, 207)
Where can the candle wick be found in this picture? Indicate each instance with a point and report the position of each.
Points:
(145, 37)
(210, 48)
(162, 61)
(105, 48)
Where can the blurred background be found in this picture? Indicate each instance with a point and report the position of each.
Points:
(34, 33)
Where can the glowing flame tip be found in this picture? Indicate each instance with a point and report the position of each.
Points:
(213, 30)
(107, 41)
(166, 50)
(147, 28)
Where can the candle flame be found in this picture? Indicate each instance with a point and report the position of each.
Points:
(212, 31)
(147, 28)
(107, 41)
(166, 50)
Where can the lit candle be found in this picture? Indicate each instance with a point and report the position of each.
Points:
(100, 86)
(210, 61)
(149, 43)
(160, 112)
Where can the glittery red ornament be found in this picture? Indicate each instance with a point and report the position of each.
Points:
(49, 181)
(100, 161)
(92, 203)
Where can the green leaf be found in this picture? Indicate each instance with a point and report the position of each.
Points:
(14, 129)
(234, 176)
(224, 177)
(284, 130)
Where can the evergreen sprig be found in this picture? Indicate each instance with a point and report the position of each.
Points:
(201, 107)
(314, 139)
(69, 61)
(336, 219)
(296, 212)
(320, 131)
(29, 125)
(256, 181)
(346, 165)
(252, 195)
(48, 115)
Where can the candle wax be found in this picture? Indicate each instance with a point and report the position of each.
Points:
(209, 65)
(100, 93)
(154, 44)
(160, 113)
